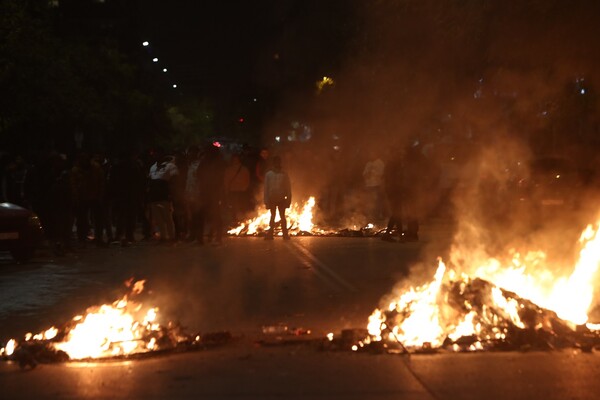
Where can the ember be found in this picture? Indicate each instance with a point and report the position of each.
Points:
(497, 308)
(123, 328)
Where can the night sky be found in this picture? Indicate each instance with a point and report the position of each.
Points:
(397, 64)
(236, 51)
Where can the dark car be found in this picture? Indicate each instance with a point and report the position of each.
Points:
(20, 231)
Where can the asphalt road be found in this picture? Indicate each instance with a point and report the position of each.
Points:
(319, 283)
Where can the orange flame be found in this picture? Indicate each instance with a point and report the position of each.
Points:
(427, 320)
(300, 219)
(121, 328)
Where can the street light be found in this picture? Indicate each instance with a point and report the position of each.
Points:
(155, 59)
(146, 43)
(164, 70)
(174, 86)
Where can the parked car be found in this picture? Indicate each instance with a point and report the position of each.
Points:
(20, 231)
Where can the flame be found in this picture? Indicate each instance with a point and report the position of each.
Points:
(423, 316)
(121, 328)
(300, 219)
(109, 331)
(570, 297)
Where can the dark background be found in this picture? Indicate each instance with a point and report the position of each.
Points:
(454, 73)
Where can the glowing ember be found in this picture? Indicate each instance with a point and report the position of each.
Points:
(300, 219)
(124, 327)
(499, 301)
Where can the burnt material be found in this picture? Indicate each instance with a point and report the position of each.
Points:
(538, 329)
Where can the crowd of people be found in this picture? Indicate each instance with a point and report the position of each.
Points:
(194, 195)
(93, 199)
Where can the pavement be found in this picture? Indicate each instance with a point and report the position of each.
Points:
(246, 371)
(323, 284)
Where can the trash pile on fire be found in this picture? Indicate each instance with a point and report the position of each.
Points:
(499, 308)
(124, 328)
(300, 223)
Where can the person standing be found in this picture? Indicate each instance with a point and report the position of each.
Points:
(373, 179)
(126, 188)
(192, 195)
(277, 196)
(13, 182)
(210, 196)
(161, 174)
(89, 183)
(260, 168)
(393, 183)
(237, 182)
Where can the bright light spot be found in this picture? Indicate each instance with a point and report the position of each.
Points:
(354, 347)
(255, 99)
(278, 138)
(155, 59)
(558, 176)
(326, 81)
(174, 86)
(330, 336)
(336, 148)
(146, 44)
(582, 91)
(216, 144)
(10, 347)
(164, 70)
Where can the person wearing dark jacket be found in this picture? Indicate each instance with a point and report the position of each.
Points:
(277, 196)
(126, 190)
(89, 184)
(393, 185)
(210, 175)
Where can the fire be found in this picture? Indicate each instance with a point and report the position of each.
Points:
(499, 299)
(300, 219)
(122, 328)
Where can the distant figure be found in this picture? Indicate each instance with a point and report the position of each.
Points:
(277, 196)
(159, 197)
(192, 193)
(237, 182)
(420, 182)
(373, 180)
(126, 190)
(60, 199)
(393, 183)
(89, 184)
(13, 182)
(210, 196)
(262, 166)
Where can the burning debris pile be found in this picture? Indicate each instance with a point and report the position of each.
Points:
(300, 223)
(124, 328)
(499, 308)
(467, 314)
